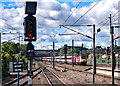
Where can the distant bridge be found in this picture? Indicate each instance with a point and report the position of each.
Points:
(42, 53)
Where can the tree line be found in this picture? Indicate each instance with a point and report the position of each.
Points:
(10, 52)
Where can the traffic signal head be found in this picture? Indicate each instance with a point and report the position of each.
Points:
(30, 51)
(30, 46)
(30, 7)
(30, 28)
(30, 35)
(108, 50)
(65, 49)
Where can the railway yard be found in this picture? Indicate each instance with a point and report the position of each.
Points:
(45, 74)
(60, 43)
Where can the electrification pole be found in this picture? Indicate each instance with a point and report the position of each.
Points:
(112, 47)
(60, 56)
(73, 53)
(93, 38)
(0, 63)
(65, 52)
(53, 54)
(94, 58)
(112, 53)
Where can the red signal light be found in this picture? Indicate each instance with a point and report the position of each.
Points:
(30, 35)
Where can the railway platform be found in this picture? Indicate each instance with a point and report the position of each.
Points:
(107, 71)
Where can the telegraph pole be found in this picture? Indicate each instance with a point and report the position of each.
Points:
(73, 53)
(94, 58)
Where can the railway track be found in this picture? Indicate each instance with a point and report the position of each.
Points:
(84, 69)
(23, 80)
(52, 78)
(78, 68)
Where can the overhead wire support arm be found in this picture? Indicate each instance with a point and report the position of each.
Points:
(76, 31)
(75, 25)
(68, 34)
(116, 37)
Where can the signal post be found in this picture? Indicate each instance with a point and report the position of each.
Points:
(65, 52)
(30, 35)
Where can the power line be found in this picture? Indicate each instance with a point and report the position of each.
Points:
(104, 24)
(115, 14)
(85, 13)
(102, 21)
(115, 20)
(107, 20)
(87, 30)
(82, 15)
(3, 29)
(8, 24)
(72, 12)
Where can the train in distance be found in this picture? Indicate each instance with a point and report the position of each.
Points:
(78, 60)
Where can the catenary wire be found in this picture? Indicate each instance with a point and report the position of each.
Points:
(72, 12)
(8, 25)
(85, 13)
(71, 15)
(106, 20)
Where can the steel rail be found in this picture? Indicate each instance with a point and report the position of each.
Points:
(55, 76)
(48, 80)
(24, 83)
(15, 80)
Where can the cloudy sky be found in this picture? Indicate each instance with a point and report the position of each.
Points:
(52, 13)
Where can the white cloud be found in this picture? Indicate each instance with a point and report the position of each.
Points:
(1, 23)
(50, 14)
(54, 14)
(89, 44)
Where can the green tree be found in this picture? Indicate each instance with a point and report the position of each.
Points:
(9, 52)
(100, 51)
(69, 51)
(23, 49)
(62, 51)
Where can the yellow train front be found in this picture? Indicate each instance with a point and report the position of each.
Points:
(77, 60)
